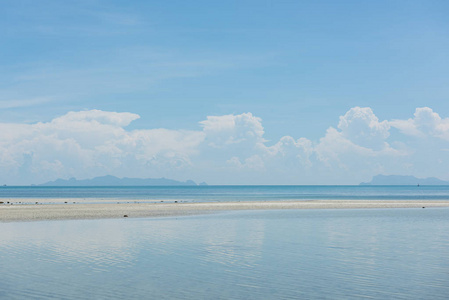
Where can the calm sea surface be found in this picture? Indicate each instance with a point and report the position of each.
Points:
(294, 254)
(230, 193)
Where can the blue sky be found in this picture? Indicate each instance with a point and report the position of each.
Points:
(293, 68)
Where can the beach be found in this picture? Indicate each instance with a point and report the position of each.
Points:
(70, 211)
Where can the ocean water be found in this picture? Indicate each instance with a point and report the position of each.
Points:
(229, 193)
(288, 254)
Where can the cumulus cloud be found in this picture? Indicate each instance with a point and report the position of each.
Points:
(361, 126)
(96, 117)
(91, 143)
(254, 162)
(361, 140)
(290, 152)
(426, 122)
(228, 149)
(222, 131)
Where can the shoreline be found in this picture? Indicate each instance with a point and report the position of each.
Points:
(80, 211)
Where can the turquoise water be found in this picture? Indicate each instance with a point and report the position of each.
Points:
(294, 254)
(231, 193)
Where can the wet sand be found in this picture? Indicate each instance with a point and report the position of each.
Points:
(34, 212)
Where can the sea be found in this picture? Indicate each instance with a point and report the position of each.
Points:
(278, 254)
(225, 193)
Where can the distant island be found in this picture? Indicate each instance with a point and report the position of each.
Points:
(404, 180)
(110, 180)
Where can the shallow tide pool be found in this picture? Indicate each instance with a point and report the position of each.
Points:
(288, 254)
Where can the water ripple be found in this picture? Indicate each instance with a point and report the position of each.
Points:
(377, 254)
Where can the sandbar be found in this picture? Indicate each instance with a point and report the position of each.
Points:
(35, 212)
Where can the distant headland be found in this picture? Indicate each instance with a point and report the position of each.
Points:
(404, 180)
(110, 180)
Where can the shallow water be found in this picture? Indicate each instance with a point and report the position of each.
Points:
(288, 254)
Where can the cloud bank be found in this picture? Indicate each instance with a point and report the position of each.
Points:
(228, 149)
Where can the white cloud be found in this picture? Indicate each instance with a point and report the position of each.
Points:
(291, 152)
(362, 127)
(226, 130)
(360, 142)
(336, 150)
(426, 122)
(90, 143)
(229, 149)
(254, 162)
(96, 117)
(4, 104)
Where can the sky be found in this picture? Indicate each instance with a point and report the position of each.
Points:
(225, 92)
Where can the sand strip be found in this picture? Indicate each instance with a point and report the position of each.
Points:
(32, 212)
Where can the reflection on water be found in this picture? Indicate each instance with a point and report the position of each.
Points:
(321, 254)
